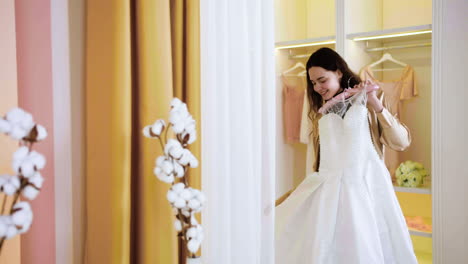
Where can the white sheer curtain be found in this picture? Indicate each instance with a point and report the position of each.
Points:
(238, 130)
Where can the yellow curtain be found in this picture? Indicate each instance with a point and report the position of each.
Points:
(135, 64)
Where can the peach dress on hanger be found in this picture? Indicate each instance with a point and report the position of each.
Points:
(395, 91)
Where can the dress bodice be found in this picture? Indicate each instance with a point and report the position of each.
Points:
(344, 134)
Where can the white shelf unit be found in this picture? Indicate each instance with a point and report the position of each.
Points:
(389, 33)
(420, 190)
(420, 233)
(328, 40)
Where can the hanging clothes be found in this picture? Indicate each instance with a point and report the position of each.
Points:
(395, 91)
(293, 99)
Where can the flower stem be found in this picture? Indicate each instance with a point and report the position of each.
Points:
(160, 142)
(5, 197)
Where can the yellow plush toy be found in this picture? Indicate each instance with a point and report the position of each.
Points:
(410, 174)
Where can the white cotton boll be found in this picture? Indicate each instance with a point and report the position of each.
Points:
(36, 180)
(3, 228)
(11, 186)
(158, 127)
(157, 171)
(171, 196)
(30, 192)
(27, 121)
(160, 160)
(186, 157)
(18, 157)
(176, 152)
(15, 115)
(27, 169)
(147, 131)
(193, 245)
(178, 225)
(167, 178)
(18, 133)
(41, 133)
(178, 187)
(178, 127)
(179, 170)
(178, 117)
(23, 216)
(19, 218)
(193, 163)
(37, 159)
(179, 203)
(4, 178)
(186, 194)
(175, 102)
(186, 213)
(167, 167)
(11, 232)
(193, 220)
(192, 137)
(173, 148)
(194, 204)
(21, 153)
(183, 110)
(5, 126)
(191, 232)
(190, 126)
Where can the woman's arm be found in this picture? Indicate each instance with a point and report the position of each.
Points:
(394, 135)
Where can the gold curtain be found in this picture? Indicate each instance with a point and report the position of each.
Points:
(139, 54)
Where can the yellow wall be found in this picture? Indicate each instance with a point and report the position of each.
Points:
(401, 13)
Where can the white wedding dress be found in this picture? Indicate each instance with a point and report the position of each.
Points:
(347, 212)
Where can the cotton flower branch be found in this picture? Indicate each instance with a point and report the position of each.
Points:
(172, 167)
(27, 181)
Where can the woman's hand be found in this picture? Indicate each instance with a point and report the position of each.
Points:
(372, 99)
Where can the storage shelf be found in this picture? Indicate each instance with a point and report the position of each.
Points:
(301, 43)
(394, 33)
(420, 233)
(421, 190)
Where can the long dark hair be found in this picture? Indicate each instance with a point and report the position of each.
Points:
(330, 61)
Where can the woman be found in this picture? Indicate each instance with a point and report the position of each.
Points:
(346, 211)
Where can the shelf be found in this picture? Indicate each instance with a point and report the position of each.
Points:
(300, 43)
(419, 233)
(407, 33)
(425, 221)
(420, 190)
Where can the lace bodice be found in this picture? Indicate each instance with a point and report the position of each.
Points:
(344, 134)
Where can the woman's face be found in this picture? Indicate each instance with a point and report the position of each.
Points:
(326, 83)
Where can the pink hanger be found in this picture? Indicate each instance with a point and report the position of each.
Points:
(369, 86)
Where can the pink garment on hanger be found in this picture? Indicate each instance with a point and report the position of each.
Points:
(293, 99)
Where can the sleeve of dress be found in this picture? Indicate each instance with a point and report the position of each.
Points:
(394, 134)
(306, 123)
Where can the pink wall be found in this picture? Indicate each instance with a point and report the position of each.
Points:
(34, 60)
